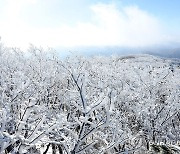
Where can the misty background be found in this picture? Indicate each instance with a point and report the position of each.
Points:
(161, 51)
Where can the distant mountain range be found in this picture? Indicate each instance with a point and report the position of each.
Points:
(168, 52)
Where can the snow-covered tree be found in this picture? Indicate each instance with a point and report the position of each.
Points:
(86, 105)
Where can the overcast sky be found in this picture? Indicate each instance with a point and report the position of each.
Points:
(69, 23)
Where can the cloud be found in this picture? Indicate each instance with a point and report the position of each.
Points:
(129, 26)
(108, 26)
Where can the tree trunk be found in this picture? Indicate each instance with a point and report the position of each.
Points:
(53, 148)
(60, 149)
(47, 148)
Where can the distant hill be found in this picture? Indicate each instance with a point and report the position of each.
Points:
(171, 53)
(167, 52)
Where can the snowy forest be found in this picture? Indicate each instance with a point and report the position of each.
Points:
(88, 105)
